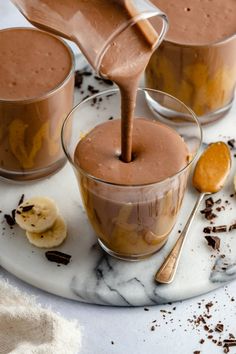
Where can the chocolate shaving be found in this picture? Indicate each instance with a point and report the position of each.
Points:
(220, 228)
(21, 199)
(210, 216)
(229, 342)
(208, 305)
(213, 241)
(105, 81)
(10, 221)
(13, 214)
(218, 201)
(27, 208)
(206, 210)
(219, 327)
(209, 202)
(232, 227)
(207, 230)
(78, 79)
(92, 89)
(231, 143)
(58, 257)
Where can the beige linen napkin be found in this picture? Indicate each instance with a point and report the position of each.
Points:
(27, 328)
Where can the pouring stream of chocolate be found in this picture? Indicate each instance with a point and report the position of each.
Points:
(93, 22)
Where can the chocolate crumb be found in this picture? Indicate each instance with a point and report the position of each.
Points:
(153, 328)
(92, 89)
(110, 118)
(219, 327)
(112, 342)
(58, 257)
(201, 341)
(206, 328)
(13, 214)
(146, 309)
(210, 216)
(196, 352)
(213, 241)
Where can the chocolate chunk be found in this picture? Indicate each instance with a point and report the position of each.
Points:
(196, 352)
(213, 241)
(207, 230)
(27, 207)
(231, 143)
(219, 327)
(209, 202)
(21, 199)
(232, 227)
(9, 219)
(221, 228)
(58, 257)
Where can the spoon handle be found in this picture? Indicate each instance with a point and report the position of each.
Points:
(168, 268)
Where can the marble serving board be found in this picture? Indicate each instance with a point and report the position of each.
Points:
(94, 277)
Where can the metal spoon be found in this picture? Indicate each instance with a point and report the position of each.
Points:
(209, 177)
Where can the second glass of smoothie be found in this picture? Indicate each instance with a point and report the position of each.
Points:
(131, 206)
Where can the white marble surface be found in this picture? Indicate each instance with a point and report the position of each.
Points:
(129, 328)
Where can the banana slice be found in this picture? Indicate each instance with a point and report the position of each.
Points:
(49, 238)
(36, 214)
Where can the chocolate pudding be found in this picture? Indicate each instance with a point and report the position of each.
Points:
(132, 214)
(196, 62)
(36, 94)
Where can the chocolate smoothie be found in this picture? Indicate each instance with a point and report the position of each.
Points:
(131, 214)
(196, 62)
(36, 94)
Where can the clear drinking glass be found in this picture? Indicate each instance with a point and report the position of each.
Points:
(30, 127)
(201, 76)
(78, 22)
(131, 222)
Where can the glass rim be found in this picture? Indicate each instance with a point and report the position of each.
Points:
(115, 91)
(56, 88)
(203, 45)
(132, 21)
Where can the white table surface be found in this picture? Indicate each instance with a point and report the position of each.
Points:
(108, 330)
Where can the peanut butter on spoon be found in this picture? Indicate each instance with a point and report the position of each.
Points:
(212, 168)
(209, 176)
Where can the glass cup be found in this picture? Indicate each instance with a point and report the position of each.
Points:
(131, 222)
(79, 21)
(201, 76)
(30, 128)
